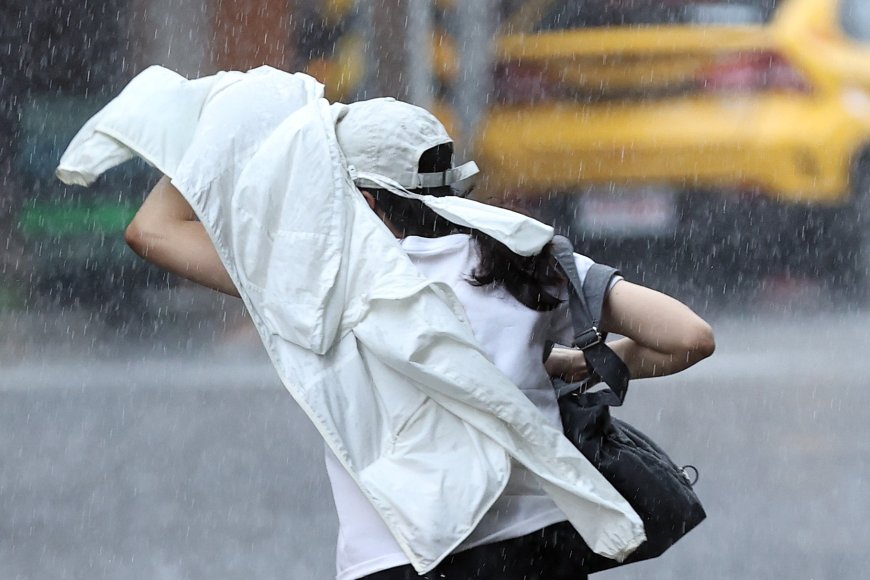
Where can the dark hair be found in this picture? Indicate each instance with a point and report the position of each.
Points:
(531, 280)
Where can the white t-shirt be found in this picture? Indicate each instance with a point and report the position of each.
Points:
(513, 336)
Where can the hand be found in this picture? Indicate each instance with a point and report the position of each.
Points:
(568, 364)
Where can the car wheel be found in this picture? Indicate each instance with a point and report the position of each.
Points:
(724, 248)
(847, 239)
(861, 215)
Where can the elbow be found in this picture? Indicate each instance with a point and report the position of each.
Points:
(136, 236)
(700, 342)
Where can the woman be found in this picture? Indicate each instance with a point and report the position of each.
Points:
(514, 305)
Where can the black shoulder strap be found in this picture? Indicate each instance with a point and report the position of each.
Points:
(586, 301)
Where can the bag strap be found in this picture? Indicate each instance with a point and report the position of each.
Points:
(586, 302)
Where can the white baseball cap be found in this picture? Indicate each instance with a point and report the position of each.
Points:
(383, 139)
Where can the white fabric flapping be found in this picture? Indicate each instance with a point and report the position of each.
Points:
(523, 235)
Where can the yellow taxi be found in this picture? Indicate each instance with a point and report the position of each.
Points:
(613, 114)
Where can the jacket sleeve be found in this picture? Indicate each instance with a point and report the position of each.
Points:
(167, 101)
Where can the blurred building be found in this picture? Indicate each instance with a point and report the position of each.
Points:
(628, 122)
(60, 61)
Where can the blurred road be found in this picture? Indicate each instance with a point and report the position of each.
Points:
(190, 463)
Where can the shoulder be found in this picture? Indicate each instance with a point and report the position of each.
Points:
(583, 264)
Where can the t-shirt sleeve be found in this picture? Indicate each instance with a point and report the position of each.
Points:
(561, 327)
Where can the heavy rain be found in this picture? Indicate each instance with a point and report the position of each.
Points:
(715, 150)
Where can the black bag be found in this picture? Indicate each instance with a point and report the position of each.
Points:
(659, 491)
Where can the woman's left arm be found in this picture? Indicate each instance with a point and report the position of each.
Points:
(662, 335)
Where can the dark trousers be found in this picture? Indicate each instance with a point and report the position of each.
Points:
(548, 554)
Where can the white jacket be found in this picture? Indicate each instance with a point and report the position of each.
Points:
(379, 358)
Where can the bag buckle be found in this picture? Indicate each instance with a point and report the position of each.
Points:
(588, 338)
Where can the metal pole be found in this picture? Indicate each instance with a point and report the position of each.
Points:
(418, 41)
(174, 34)
(386, 44)
(365, 19)
(477, 25)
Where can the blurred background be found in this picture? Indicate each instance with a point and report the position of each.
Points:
(718, 150)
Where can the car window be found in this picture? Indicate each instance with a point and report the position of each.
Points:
(855, 16)
(566, 14)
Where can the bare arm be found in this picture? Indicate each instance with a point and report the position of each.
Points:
(165, 232)
(662, 335)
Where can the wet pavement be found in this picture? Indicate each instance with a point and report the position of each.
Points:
(178, 455)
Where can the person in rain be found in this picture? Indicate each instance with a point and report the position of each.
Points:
(444, 445)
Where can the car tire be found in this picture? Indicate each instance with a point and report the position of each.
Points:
(846, 263)
(722, 253)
